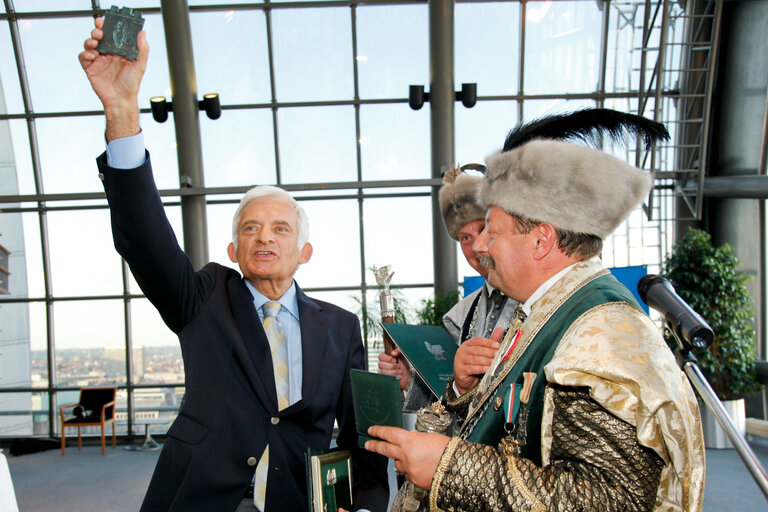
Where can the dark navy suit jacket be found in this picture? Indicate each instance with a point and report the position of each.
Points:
(230, 412)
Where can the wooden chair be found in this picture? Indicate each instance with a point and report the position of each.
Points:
(96, 408)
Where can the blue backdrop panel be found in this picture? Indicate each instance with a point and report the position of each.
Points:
(472, 283)
(629, 277)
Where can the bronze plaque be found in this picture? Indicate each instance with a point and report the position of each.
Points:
(121, 27)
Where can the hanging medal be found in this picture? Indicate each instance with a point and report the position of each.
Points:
(522, 422)
(511, 403)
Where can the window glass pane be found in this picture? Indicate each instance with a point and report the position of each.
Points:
(219, 2)
(38, 332)
(399, 233)
(52, 5)
(534, 109)
(33, 255)
(622, 73)
(14, 346)
(81, 247)
(220, 232)
(312, 54)
(160, 141)
(152, 405)
(488, 47)
(243, 60)
(481, 130)
(28, 414)
(90, 343)
(156, 349)
(10, 99)
(135, 4)
(239, 148)
(317, 144)
(394, 142)
(349, 300)
(54, 67)
(334, 235)
(562, 47)
(19, 141)
(387, 65)
(68, 151)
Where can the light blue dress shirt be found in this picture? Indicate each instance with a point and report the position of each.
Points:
(127, 152)
(289, 318)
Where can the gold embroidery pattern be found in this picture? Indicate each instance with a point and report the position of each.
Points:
(442, 468)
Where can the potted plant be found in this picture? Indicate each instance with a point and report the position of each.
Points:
(708, 279)
(432, 310)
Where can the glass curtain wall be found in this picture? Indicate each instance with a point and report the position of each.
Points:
(314, 98)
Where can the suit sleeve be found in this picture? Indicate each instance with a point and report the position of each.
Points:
(370, 487)
(144, 238)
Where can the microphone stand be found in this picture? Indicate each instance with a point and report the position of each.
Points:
(688, 364)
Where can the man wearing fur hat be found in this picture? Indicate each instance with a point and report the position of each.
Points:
(583, 406)
(477, 314)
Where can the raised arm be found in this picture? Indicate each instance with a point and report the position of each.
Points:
(116, 81)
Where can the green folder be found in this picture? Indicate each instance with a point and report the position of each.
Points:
(329, 479)
(429, 349)
(377, 400)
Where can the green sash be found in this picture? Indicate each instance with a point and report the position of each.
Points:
(490, 427)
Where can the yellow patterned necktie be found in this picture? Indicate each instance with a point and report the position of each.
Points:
(279, 349)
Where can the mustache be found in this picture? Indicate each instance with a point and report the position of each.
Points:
(487, 261)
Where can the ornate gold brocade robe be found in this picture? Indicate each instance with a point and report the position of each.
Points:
(619, 423)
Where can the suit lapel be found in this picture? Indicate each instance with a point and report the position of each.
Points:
(314, 336)
(252, 349)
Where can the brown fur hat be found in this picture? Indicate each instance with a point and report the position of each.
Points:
(572, 187)
(458, 200)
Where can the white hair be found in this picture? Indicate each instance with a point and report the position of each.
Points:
(277, 193)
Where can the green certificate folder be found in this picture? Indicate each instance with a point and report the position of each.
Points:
(429, 349)
(329, 479)
(377, 400)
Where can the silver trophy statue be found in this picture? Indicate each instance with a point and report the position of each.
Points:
(386, 302)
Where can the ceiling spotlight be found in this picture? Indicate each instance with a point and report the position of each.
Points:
(210, 103)
(160, 108)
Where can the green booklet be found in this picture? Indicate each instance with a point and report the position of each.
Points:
(429, 349)
(377, 400)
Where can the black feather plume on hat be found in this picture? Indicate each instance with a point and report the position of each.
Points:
(588, 125)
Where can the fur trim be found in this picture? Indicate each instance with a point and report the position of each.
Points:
(575, 188)
(458, 201)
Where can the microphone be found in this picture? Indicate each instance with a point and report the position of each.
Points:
(683, 321)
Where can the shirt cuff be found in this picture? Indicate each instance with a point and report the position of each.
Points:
(456, 389)
(126, 152)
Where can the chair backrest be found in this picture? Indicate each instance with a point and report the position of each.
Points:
(93, 399)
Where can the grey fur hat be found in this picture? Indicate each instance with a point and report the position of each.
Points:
(540, 176)
(458, 200)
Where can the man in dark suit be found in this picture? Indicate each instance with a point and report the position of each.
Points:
(257, 395)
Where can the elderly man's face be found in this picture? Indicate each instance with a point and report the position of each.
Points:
(510, 251)
(267, 245)
(467, 236)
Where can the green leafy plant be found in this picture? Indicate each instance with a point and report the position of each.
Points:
(708, 279)
(432, 310)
